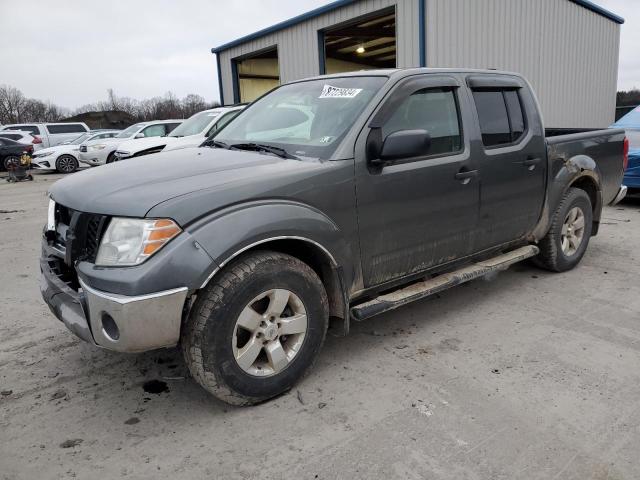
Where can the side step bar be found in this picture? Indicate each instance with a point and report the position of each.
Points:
(420, 290)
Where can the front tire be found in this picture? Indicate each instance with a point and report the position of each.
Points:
(111, 157)
(66, 164)
(257, 329)
(566, 242)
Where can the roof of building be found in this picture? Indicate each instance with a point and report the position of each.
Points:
(341, 3)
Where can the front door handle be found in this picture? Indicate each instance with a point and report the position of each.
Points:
(465, 176)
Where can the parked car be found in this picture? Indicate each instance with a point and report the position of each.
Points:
(64, 157)
(99, 152)
(51, 134)
(405, 183)
(11, 151)
(195, 130)
(26, 138)
(631, 123)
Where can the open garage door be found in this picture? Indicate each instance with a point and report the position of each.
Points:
(364, 44)
(256, 74)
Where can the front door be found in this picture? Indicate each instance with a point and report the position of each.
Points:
(418, 212)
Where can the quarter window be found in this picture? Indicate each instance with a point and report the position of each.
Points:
(434, 110)
(66, 128)
(500, 115)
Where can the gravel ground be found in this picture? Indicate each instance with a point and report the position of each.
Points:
(529, 376)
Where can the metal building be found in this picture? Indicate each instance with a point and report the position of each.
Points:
(568, 49)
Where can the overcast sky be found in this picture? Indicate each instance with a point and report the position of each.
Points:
(71, 51)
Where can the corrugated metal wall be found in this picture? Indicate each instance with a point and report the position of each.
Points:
(298, 45)
(568, 53)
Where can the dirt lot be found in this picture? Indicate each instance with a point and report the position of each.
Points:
(531, 375)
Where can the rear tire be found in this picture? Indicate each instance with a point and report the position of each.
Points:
(257, 328)
(66, 164)
(565, 243)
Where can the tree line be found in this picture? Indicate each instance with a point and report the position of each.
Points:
(629, 98)
(16, 108)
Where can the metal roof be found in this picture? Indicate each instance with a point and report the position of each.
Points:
(341, 3)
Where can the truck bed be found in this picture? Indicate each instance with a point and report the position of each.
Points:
(603, 147)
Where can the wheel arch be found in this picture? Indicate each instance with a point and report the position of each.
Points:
(319, 258)
(579, 172)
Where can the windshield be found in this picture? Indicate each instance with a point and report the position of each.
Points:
(634, 139)
(130, 131)
(307, 119)
(195, 124)
(80, 139)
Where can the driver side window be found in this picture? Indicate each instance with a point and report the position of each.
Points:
(434, 110)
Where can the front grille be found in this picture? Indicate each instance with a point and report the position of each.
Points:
(65, 273)
(77, 234)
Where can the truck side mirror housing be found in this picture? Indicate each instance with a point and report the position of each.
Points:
(405, 144)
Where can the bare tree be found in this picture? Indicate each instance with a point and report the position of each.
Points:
(12, 104)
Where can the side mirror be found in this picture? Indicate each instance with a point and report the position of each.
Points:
(139, 135)
(405, 144)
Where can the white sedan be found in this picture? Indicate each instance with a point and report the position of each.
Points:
(64, 157)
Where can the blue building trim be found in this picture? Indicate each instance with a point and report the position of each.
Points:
(422, 41)
(220, 89)
(341, 3)
(599, 10)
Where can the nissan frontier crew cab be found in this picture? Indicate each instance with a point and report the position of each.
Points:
(326, 201)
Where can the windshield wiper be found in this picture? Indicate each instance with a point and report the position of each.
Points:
(215, 144)
(259, 147)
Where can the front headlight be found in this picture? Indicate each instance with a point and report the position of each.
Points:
(97, 147)
(130, 241)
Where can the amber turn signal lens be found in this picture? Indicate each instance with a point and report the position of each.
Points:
(159, 234)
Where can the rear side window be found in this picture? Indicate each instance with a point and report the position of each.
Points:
(66, 128)
(12, 136)
(26, 128)
(500, 115)
(434, 110)
(169, 127)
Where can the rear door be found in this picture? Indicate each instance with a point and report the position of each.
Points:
(511, 158)
(418, 212)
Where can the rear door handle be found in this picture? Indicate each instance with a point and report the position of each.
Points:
(465, 176)
(531, 161)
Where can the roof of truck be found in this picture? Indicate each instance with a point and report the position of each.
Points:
(405, 72)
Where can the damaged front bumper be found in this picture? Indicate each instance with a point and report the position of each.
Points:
(115, 322)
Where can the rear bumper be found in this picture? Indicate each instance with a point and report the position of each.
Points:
(622, 192)
(115, 322)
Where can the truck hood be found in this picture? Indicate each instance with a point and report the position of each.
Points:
(133, 187)
(139, 144)
(185, 142)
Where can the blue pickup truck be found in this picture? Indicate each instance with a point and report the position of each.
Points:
(631, 123)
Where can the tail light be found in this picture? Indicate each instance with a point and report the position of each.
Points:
(29, 149)
(36, 140)
(625, 154)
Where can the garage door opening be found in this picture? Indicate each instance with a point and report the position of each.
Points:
(365, 44)
(256, 74)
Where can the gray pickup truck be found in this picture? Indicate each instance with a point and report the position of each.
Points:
(326, 201)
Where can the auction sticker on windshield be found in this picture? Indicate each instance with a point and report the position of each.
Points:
(335, 92)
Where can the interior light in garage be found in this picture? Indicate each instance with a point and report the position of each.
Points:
(360, 49)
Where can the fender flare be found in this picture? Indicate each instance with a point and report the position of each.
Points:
(251, 224)
(575, 170)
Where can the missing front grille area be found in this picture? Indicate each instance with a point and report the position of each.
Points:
(65, 273)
